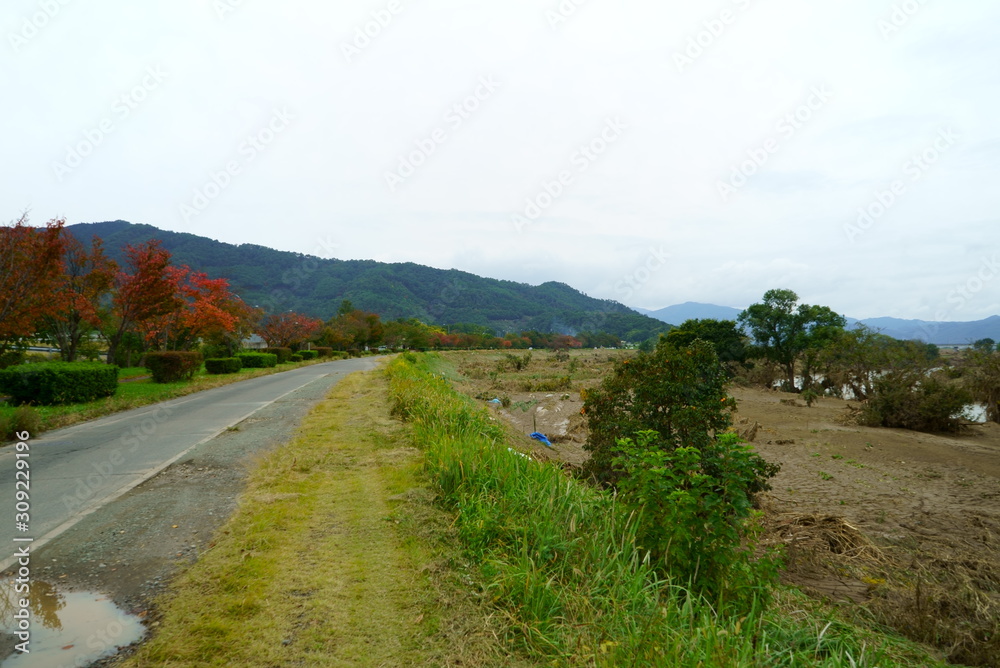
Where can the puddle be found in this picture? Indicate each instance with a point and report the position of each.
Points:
(68, 629)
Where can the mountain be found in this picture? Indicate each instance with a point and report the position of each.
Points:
(941, 333)
(678, 313)
(280, 281)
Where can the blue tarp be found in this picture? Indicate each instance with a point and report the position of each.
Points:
(538, 436)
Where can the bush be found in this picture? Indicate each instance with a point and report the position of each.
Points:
(172, 366)
(23, 419)
(11, 358)
(308, 354)
(282, 353)
(692, 516)
(324, 351)
(339, 354)
(911, 400)
(295, 357)
(59, 382)
(223, 365)
(257, 360)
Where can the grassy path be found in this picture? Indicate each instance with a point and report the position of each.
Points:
(335, 557)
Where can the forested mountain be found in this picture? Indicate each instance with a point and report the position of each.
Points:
(280, 281)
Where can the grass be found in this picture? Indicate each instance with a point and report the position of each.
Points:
(336, 556)
(136, 393)
(560, 562)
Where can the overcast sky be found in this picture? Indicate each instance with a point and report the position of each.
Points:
(649, 152)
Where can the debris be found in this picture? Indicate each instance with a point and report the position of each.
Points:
(538, 436)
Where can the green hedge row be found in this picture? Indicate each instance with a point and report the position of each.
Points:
(223, 365)
(58, 382)
(324, 351)
(257, 360)
(283, 353)
(308, 354)
(172, 365)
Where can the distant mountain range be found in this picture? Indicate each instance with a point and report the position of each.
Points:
(281, 281)
(941, 333)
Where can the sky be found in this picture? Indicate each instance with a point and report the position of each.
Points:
(649, 152)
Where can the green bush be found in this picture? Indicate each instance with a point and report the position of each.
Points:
(912, 400)
(257, 360)
(324, 351)
(172, 366)
(11, 358)
(295, 357)
(339, 354)
(59, 382)
(308, 354)
(23, 419)
(693, 514)
(283, 353)
(223, 365)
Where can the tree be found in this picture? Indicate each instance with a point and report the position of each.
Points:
(983, 380)
(785, 331)
(87, 278)
(145, 289)
(679, 393)
(285, 330)
(985, 345)
(355, 329)
(729, 341)
(205, 308)
(30, 267)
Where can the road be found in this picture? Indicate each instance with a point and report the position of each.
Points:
(77, 470)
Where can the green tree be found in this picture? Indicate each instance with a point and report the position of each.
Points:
(786, 331)
(729, 341)
(982, 378)
(985, 345)
(679, 393)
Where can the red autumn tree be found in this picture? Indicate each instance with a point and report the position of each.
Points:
(145, 289)
(353, 329)
(205, 308)
(30, 266)
(87, 277)
(283, 330)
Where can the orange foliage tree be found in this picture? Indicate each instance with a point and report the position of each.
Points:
(284, 330)
(30, 266)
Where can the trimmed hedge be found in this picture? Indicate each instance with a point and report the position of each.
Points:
(308, 354)
(339, 355)
(295, 358)
(257, 360)
(282, 353)
(324, 351)
(223, 365)
(172, 365)
(59, 382)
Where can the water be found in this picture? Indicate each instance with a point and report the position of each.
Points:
(68, 629)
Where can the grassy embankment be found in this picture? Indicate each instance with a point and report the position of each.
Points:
(133, 394)
(337, 557)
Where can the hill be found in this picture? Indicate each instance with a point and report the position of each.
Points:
(280, 281)
(678, 313)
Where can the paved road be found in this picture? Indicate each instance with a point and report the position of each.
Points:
(77, 470)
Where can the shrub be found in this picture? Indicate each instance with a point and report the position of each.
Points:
(11, 358)
(172, 366)
(23, 419)
(295, 357)
(282, 353)
(339, 354)
(680, 394)
(308, 354)
(223, 365)
(324, 351)
(257, 360)
(693, 510)
(59, 382)
(912, 400)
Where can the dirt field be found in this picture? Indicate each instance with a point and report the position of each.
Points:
(906, 523)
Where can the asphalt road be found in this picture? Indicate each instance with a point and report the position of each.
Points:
(80, 469)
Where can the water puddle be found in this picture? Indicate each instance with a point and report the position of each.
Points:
(68, 629)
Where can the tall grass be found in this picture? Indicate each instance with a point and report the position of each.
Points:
(559, 557)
